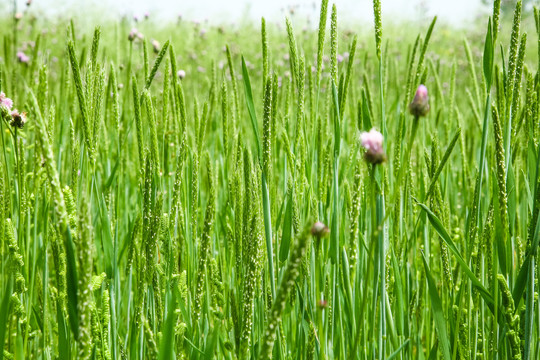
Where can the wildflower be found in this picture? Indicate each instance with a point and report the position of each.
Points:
(181, 74)
(146, 15)
(18, 119)
(322, 304)
(28, 2)
(372, 142)
(201, 69)
(133, 34)
(156, 46)
(420, 104)
(5, 101)
(22, 57)
(18, 16)
(319, 230)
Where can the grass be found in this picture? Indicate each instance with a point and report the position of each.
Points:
(159, 199)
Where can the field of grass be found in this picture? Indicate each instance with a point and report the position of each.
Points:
(189, 191)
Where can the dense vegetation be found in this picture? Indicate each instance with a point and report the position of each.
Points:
(194, 191)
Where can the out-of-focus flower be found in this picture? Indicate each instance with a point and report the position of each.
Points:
(18, 16)
(156, 46)
(201, 69)
(322, 304)
(18, 119)
(22, 57)
(135, 34)
(372, 141)
(5, 101)
(181, 74)
(132, 34)
(420, 104)
(319, 230)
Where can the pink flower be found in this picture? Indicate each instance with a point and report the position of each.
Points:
(18, 119)
(156, 46)
(22, 57)
(133, 34)
(319, 230)
(372, 141)
(420, 104)
(5, 101)
(181, 74)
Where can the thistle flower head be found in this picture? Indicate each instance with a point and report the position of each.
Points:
(372, 141)
(22, 57)
(319, 230)
(156, 46)
(133, 34)
(18, 119)
(181, 74)
(322, 304)
(420, 104)
(5, 101)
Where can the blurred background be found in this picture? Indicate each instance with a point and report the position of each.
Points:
(455, 12)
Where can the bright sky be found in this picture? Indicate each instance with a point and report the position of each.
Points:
(460, 12)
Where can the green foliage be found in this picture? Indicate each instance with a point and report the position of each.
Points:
(158, 204)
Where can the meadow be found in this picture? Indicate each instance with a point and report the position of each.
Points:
(195, 191)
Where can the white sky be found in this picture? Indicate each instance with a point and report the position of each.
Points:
(460, 12)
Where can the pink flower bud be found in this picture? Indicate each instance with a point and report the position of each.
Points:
(372, 141)
(156, 46)
(18, 119)
(420, 104)
(322, 304)
(319, 230)
(22, 57)
(133, 34)
(5, 101)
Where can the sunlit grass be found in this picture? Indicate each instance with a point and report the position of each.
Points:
(191, 191)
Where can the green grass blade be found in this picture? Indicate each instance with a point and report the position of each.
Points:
(438, 226)
(438, 315)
